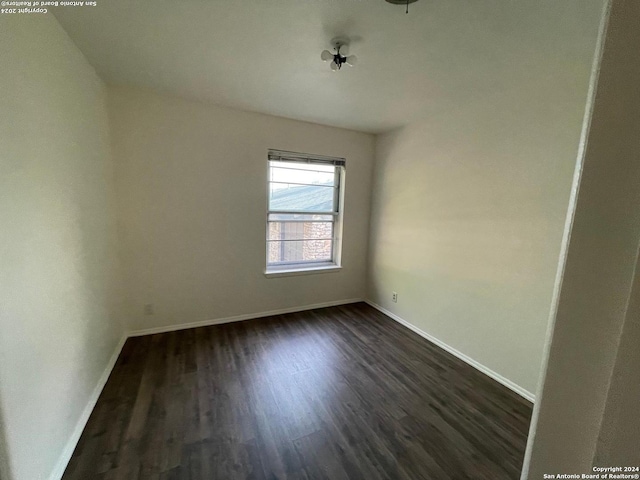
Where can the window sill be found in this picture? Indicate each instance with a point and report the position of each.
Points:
(289, 272)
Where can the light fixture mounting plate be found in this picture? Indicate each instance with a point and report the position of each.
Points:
(401, 2)
(341, 41)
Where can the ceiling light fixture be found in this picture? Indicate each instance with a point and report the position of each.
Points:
(338, 59)
(402, 2)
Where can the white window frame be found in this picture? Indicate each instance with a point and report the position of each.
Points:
(298, 268)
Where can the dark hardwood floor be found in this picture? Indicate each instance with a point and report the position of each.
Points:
(335, 393)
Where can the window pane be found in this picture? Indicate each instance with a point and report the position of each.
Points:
(311, 167)
(299, 217)
(295, 174)
(300, 230)
(283, 252)
(310, 198)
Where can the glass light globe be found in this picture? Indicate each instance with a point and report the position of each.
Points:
(351, 60)
(326, 55)
(334, 66)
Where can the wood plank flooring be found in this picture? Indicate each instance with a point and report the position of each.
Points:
(335, 393)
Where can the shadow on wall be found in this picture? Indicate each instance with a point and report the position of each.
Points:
(5, 467)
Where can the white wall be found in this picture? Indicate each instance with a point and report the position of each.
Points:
(468, 206)
(57, 249)
(590, 349)
(192, 189)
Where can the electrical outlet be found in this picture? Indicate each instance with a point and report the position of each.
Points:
(148, 309)
(395, 297)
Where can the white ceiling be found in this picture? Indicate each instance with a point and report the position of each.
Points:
(264, 55)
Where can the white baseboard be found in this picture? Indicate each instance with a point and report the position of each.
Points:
(63, 461)
(239, 318)
(487, 371)
(80, 425)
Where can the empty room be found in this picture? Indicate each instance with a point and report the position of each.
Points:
(319, 239)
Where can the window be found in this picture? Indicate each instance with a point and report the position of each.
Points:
(304, 221)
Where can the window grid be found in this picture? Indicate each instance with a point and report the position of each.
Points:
(302, 222)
